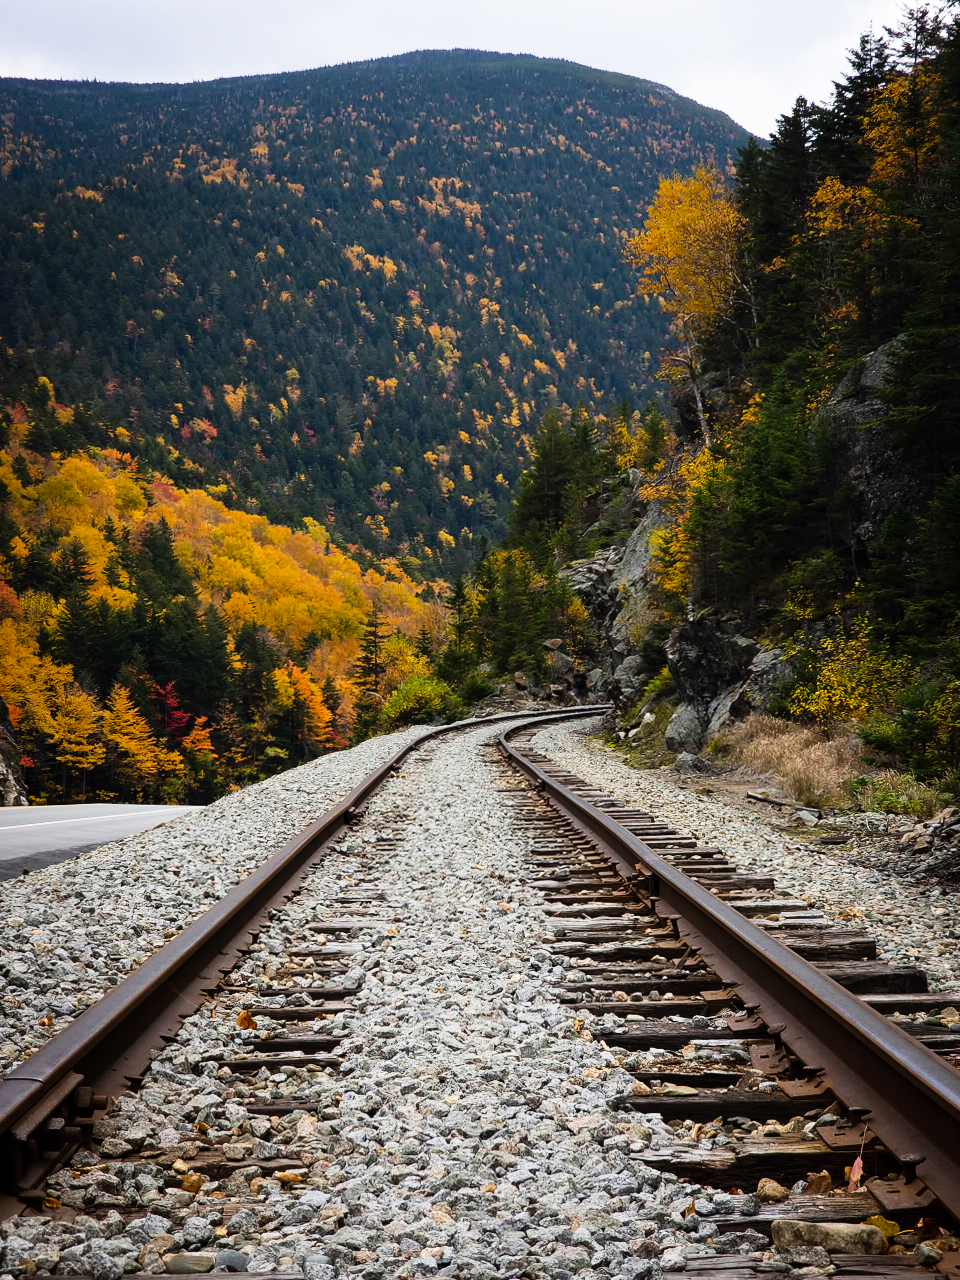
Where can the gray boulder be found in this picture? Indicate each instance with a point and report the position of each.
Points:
(769, 673)
(684, 732)
(627, 678)
(705, 658)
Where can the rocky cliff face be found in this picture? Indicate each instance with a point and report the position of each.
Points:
(11, 788)
(720, 676)
(719, 673)
(613, 585)
(878, 475)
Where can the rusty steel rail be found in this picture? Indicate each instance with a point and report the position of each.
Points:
(47, 1103)
(907, 1096)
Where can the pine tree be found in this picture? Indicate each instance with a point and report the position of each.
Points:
(368, 675)
(333, 701)
(925, 383)
(368, 671)
(458, 603)
(424, 642)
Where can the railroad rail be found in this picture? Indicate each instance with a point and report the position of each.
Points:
(48, 1103)
(823, 1042)
(657, 926)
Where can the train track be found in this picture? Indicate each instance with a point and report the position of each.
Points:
(807, 1002)
(739, 1030)
(49, 1104)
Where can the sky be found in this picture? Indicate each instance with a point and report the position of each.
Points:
(750, 58)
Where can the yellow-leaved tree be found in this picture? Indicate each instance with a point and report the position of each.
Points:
(689, 256)
(298, 697)
(31, 684)
(141, 763)
(76, 734)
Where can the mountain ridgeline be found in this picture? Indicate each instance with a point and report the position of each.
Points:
(346, 293)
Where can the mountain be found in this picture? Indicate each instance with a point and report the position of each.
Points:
(348, 293)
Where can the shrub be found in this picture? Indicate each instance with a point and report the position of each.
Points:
(853, 678)
(892, 792)
(661, 683)
(419, 700)
(474, 687)
(921, 732)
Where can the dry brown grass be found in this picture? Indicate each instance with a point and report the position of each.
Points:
(813, 766)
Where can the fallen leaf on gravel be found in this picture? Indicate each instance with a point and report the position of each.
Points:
(855, 1174)
(883, 1224)
(578, 1025)
(287, 1175)
(45, 1022)
(51, 1202)
(489, 1188)
(246, 1020)
(505, 906)
(192, 1182)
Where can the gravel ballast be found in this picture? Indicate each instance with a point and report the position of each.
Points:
(912, 924)
(73, 930)
(468, 1132)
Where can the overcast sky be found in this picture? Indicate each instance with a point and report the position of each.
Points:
(750, 58)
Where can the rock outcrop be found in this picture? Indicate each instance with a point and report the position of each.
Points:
(11, 788)
(719, 673)
(720, 676)
(613, 585)
(878, 475)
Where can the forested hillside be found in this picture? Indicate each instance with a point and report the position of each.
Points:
(814, 354)
(348, 293)
(157, 644)
(807, 492)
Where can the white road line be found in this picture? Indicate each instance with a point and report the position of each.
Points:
(100, 817)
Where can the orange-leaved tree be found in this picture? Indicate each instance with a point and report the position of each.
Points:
(299, 699)
(689, 255)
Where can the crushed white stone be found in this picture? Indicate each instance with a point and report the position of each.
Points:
(73, 930)
(912, 924)
(469, 1132)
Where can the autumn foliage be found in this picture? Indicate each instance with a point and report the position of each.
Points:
(155, 644)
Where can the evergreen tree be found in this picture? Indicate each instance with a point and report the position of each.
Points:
(423, 644)
(925, 387)
(367, 674)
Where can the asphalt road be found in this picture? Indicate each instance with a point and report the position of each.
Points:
(38, 835)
